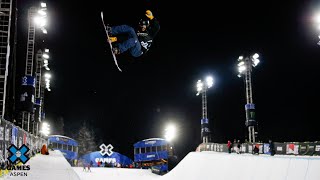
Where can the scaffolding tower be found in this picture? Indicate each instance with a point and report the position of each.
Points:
(5, 28)
(28, 79)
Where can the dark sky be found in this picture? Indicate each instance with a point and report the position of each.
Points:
(197, 38)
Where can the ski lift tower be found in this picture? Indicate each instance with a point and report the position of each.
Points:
(245, 65)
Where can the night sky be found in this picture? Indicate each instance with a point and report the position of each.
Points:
(197, 38)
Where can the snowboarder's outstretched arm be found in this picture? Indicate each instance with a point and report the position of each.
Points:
(154, 24)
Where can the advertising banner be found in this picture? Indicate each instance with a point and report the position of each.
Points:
(1, 133)
(292, 148)
(27, 98)
(280, 148)
(14, 139)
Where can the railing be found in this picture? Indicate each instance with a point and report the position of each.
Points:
(283, 148)
(12, 134)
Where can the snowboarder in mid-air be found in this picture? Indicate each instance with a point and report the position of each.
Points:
(138, 41)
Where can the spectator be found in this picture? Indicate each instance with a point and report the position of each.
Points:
(271, 148)
(84, 166)
(90, 165)
(256, 149)
(238, 147)
(229, 145)
(75, 162)
(44, 150)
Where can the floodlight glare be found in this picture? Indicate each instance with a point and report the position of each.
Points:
(209, 81)
(240, 58)
(40, 21)
(42, 12)
(47, 76)
(46, 50)
(199, 86)
(241, 69)
(46, 56)
(256, 62)
(44, 31)
(43, 5)
(255, 56)
(45, 129)
(241, 63)
(170, 132)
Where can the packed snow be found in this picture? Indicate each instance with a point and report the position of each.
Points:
(194, 166)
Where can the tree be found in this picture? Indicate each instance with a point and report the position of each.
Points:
(86, 140)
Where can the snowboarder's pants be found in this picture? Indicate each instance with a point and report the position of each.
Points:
(132, 43)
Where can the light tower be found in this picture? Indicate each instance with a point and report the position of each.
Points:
(245, 65)
(202, 88)
(42, 83)
(37, 20)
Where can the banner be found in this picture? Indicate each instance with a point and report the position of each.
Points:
(1, 133)
(280, 148)
(266, 148)
(27, 98)
(14, 138)
(317, 149)
(292, 149)
(250, 114)
(205, 131)
(7, 134)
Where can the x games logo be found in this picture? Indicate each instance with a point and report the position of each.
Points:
(18, 154)
(106, 149)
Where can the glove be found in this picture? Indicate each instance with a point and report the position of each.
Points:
(149, 14)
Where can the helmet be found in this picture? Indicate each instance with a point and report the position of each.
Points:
(144, 22)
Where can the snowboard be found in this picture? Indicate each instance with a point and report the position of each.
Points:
(113, 55)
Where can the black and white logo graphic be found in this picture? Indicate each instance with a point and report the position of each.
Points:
(106, 149)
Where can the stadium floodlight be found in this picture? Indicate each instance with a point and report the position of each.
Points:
(199, 87)
(45, 55)
(47, 77)
(170, 132)
(40, 21)
(41, 18)
(43, 5)
(42, 12)
(45, 129)
(245, 65)
(44, 30)
(209, 81)
(202, 88)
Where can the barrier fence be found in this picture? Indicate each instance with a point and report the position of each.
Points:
(283, 148)
(12, 134)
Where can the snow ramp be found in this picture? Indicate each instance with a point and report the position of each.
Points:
(47, 167)
(224, 166)
(99, 173)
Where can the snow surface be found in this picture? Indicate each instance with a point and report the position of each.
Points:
(47, 167)
(195, 166)
(99, 173)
